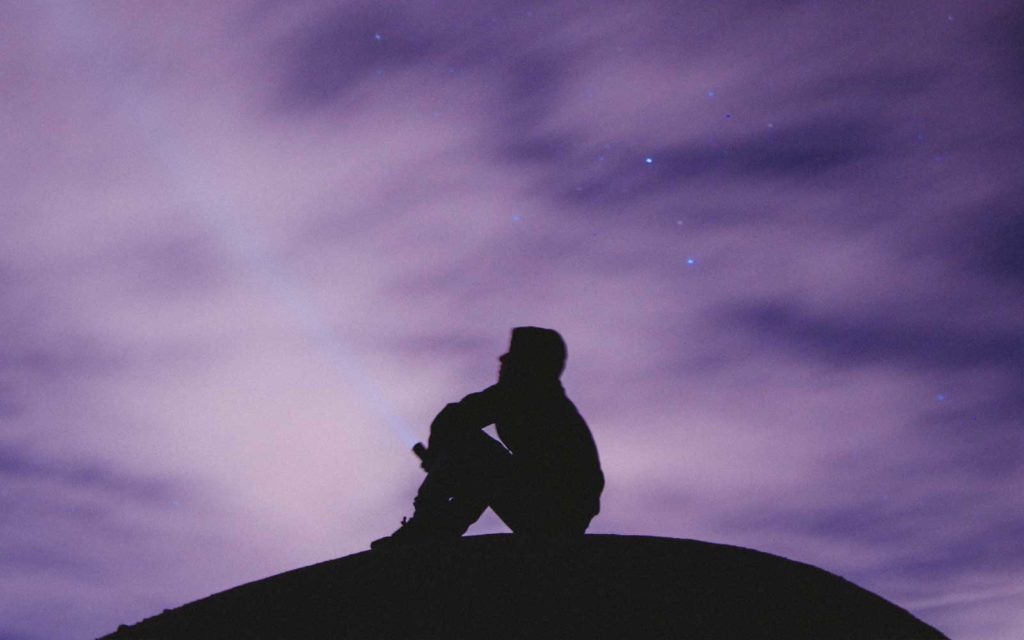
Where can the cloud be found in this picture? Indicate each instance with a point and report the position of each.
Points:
(991, 240)
(340, 51)
(851, 341)
(16, 466)
(793, 153)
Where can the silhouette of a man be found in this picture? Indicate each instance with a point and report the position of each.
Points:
(545, 481)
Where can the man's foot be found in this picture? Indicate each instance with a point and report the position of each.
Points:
(412, 532)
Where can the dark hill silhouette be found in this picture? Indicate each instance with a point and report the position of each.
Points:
(504, 586)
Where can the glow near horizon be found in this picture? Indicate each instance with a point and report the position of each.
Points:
(251, 252)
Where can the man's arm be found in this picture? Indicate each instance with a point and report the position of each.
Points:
(472, 413)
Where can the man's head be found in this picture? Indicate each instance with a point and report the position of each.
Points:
(535, 354)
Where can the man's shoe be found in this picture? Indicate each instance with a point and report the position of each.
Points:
(412, 532)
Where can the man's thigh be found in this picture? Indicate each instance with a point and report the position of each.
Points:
(478, 464)
(529, 507)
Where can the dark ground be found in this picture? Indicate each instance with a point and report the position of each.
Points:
(500, 586)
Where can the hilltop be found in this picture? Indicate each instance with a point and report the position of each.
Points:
(500, 586)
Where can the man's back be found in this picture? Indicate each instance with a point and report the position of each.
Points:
(550, 440)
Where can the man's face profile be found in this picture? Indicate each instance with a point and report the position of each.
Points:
(504, 370)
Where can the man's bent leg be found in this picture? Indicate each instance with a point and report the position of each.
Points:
(472, 468)
(465, 473)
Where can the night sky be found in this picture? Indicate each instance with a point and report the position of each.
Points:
(249, 249)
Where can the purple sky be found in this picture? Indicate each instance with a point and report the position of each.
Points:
(242, 243)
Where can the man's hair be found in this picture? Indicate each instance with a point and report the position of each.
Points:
(541, 351)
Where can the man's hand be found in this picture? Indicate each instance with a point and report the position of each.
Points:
(424, 455)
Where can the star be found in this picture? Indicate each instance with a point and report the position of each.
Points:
(649, 160)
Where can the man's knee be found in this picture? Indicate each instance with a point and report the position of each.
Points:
(445, 426)
(478, 451)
